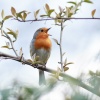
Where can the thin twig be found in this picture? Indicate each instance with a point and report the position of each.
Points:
(60, 46)
(12, 45)
(67, 77)
(55, 19)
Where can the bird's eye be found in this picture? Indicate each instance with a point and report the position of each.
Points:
(41, 30)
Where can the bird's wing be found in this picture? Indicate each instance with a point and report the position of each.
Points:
(32, 49)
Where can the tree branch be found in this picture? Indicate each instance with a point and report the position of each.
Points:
(65, 76)
(60, 46)
(56, 18)
(11, 42)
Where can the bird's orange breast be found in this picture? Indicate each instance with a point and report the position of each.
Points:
(42, 43)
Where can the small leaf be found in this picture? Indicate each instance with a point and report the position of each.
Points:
(65, 62)
(55, 41)
(14, 34)
(63, 53)
(20, 15)
(36, 58)
(60, 9)
(93, 13)
(66, 68)
(11, 33)
(29, 60)
(47, 7)
(87, 1)
(72, 2)
(21, 52)
(50, 11)
(13, 11)
(7, 17)
(43, 15)
(2, 14)
(67, 12)
(59, 20)
(36, 13)
(5, 47)
(69, 63)
(24, 16)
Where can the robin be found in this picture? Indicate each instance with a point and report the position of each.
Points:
(41, 47)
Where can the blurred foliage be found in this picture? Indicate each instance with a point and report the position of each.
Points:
(94, 80)
(18, 92)
(22, 92)
(79, 96)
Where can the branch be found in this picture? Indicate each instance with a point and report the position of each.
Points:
(60, 46)
(12, 45)
(67, 77)
(55, 19)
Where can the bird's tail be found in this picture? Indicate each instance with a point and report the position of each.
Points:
(41, 77)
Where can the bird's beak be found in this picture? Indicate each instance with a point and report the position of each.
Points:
(48, 30)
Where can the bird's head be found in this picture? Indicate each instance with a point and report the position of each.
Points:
(42, 33)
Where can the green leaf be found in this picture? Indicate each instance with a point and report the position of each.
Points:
(66, 68)
(43, 15)
(59, 20)
(24, 16)
(55, 40)
(67, 12)
(13, 11)
(36, 13)
(87, 1)
(93, 13)
(69, 63)
(50, 11)
(65, 63)
(2, 14)
(7, 17)
(14, 34)
(72, 2)
(20, 15)
(5, 47)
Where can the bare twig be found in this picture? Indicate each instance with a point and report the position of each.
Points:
(12, 45)
(60, 46)
(65, 76)
(55, 19)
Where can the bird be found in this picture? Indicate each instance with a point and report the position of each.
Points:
(40, 47)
